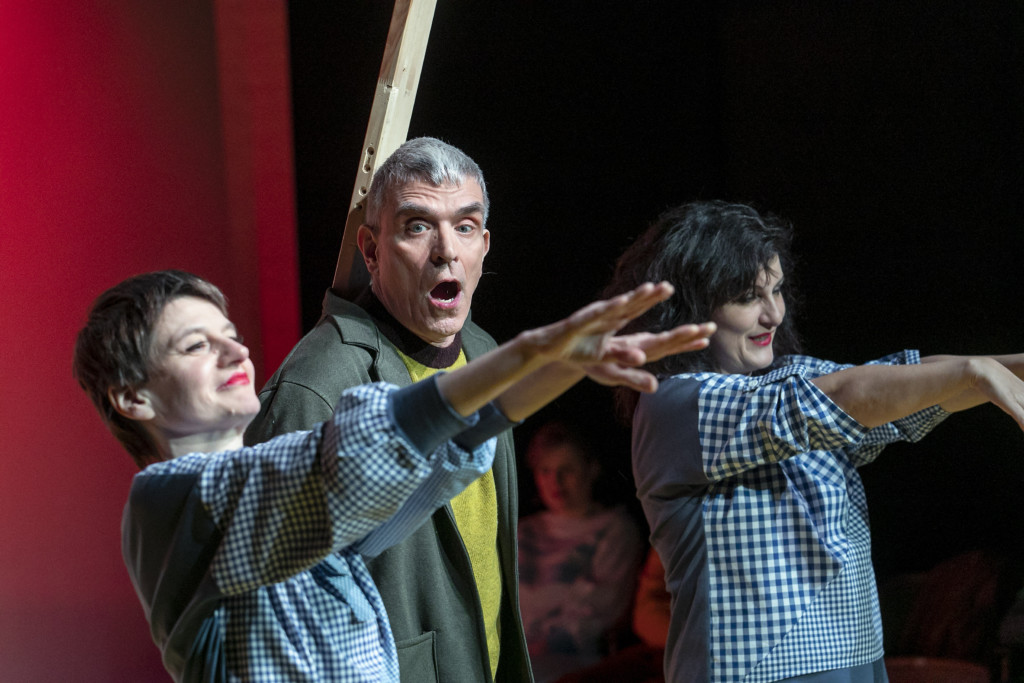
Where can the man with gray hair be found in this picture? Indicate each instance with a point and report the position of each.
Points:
(450, 589)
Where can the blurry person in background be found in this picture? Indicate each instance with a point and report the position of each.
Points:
(577, 559)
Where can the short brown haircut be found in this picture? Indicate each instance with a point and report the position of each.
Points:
(114, 349)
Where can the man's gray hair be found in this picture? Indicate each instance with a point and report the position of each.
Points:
(426, 160)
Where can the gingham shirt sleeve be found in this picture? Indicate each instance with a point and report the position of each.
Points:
(746, 422)
(910, 428)
(427, 418)
(284, 505)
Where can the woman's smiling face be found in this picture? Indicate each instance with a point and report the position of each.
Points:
(746, 327)
(201, 378)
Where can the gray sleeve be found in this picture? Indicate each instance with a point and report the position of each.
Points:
(428, 420)
(666, 442)
(492, 422)
(425, 417)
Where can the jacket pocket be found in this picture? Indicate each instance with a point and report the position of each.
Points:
(416, 659)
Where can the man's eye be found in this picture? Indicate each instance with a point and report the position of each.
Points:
(417, 228)
(465, 228)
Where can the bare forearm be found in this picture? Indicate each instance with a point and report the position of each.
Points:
(972, 397)
(485, 378)
(877, 394)
(519, 380)
(1014, 362)
(538, 389)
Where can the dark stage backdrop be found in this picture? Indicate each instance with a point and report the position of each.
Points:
(892, 134)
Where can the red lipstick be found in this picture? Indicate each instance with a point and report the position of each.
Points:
(237, 379)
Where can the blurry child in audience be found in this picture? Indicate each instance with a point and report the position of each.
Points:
(578, 560)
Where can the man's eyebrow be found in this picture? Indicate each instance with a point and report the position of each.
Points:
(414, 209)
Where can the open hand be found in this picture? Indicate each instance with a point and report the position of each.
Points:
(586, 339)
(648, 347)
(1000, 386)
(527, 372)
(587, 336)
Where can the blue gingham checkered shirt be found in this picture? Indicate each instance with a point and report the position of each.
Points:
(249, 563)
(759, 515)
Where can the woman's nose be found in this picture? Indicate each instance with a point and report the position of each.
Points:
(234, 351)
(773, 312)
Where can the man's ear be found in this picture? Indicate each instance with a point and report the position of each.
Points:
(367, 242)
(132, 403)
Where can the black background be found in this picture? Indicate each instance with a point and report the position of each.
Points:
(890, 133)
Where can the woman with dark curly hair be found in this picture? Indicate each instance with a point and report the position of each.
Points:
(746, 457)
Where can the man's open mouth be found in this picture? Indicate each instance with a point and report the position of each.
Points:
(445, 291)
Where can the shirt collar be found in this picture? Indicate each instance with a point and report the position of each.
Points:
(404, 340)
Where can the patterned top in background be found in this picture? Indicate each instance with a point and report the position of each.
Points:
(576, 581)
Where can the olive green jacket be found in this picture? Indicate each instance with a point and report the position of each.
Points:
(426, 580)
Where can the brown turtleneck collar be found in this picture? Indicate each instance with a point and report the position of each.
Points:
(405, 341)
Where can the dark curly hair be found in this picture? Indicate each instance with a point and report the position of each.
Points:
(713, 253)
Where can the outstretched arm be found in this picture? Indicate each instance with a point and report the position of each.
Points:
(972, 397)
(877, 394)
(538, 365)
(546, 384)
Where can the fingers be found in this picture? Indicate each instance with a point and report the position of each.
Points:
(1004, 389)
(644, 297)
(584, 335)
(679, 340)
(612, 375)
(631, 304)
(623, 355)
(656, 346)
(612, 314)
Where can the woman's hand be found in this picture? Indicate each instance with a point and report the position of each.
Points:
(537, 365)
(999, 388)
(998, 385)
(585, 339)
(586, 336)
(650, 346)
(877, 394)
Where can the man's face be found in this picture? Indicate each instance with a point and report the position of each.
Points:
(427, 257)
